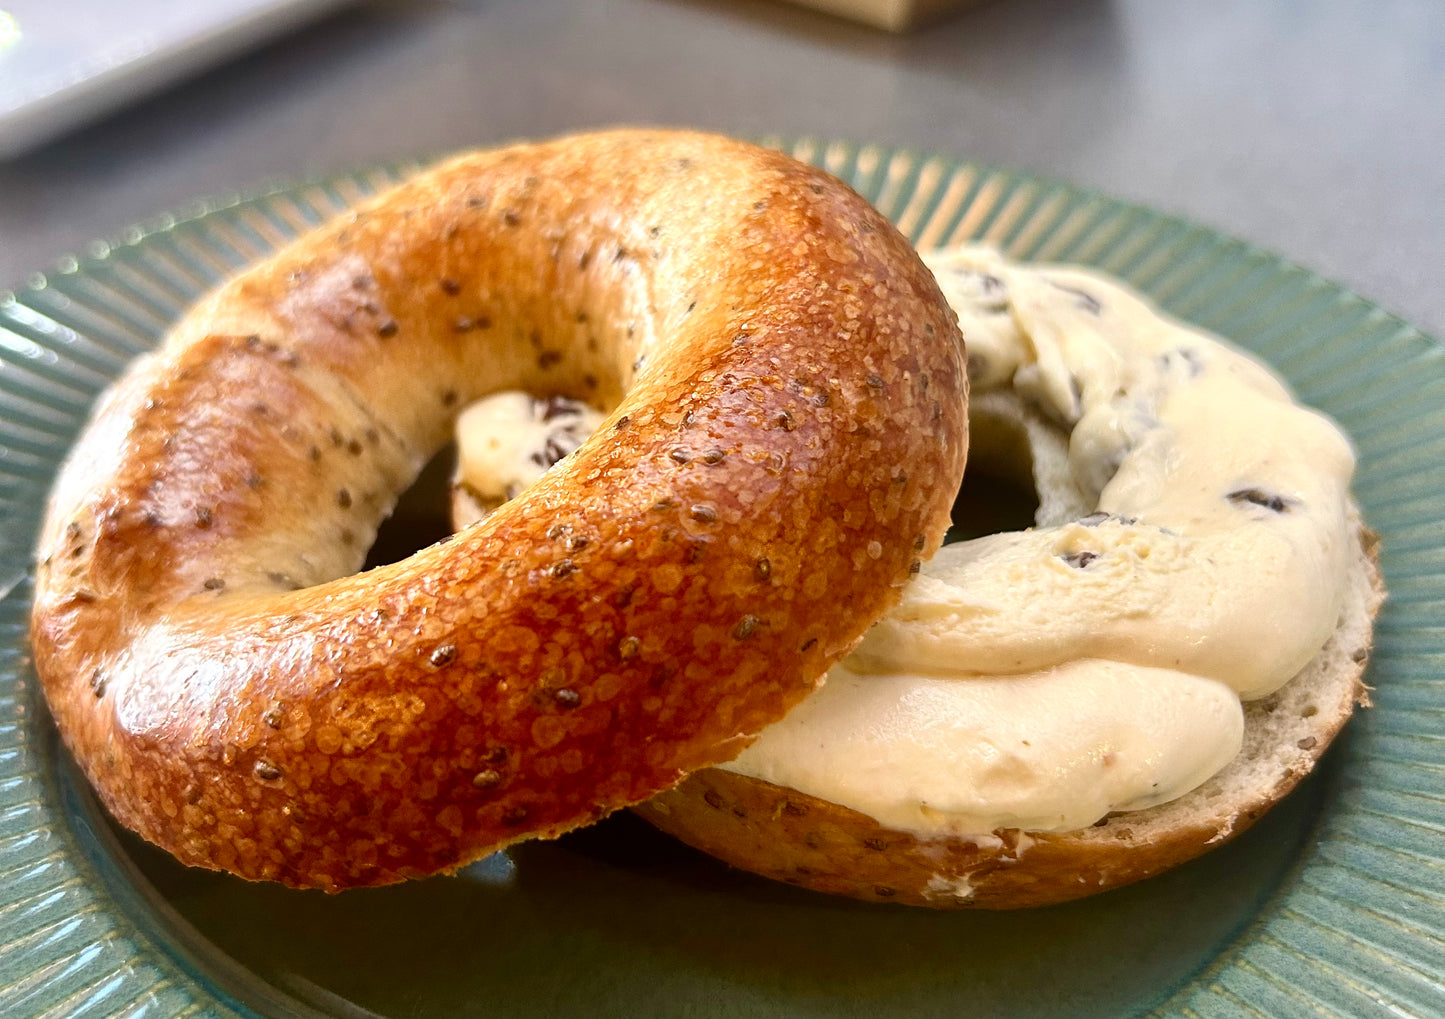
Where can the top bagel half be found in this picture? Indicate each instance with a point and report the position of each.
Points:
(787, 430)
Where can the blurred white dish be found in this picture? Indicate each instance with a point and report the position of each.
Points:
(65, 62)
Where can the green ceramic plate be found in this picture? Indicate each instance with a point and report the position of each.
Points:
(1334, 905)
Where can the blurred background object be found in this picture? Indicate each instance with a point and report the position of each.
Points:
(894, 15)
(1305, 126)
(63, 62)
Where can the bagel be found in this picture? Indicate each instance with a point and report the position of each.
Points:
(784, 392)
(1064, 710)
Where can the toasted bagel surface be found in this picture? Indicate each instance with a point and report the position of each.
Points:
(786, 430)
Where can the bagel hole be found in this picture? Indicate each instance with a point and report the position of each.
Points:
(990, 504)
(997, 495)
(421, 516)
(998, 492)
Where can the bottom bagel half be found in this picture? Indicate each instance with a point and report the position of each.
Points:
(803, 840)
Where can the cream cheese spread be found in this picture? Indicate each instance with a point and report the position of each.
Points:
(1051, 750)
(1042, 679)
(508, 440)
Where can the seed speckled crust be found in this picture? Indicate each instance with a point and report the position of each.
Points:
(262, 710)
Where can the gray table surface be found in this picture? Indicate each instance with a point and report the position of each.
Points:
(1315, 128)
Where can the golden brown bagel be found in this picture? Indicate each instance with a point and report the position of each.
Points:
(786, 435)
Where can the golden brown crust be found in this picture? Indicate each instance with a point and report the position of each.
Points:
(787, 449)
(803, 840)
